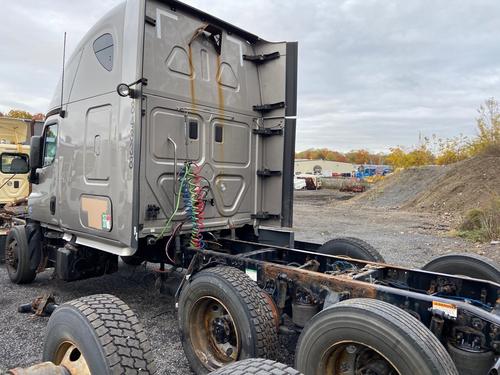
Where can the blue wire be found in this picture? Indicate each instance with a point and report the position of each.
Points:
(470, 301)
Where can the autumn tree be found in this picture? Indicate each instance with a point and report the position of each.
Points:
(358, 156)
(396, 158)
(420, 156)
(336, 156)
(321, 154)
(38, 117)
(488, 126)
(18, 113)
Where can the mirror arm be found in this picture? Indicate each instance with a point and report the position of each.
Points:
(33, 178)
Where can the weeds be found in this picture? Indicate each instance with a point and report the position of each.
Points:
(482, 224)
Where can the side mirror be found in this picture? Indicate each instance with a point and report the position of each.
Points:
(35, 157)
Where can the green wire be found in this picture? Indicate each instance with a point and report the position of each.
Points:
(177, 203)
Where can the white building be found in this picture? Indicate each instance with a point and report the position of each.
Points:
(324, 167)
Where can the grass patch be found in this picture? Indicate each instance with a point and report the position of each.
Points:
(482, 224)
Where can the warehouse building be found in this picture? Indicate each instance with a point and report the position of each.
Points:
(323, 167)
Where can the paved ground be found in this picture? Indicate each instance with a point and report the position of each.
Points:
(408, 239)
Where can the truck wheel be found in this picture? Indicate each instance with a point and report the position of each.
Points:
(224, 317)
(352, 248)
(17, 256)
(132, 260)
(256, 366)
(470, 265)
(369, 336)
(98, 334)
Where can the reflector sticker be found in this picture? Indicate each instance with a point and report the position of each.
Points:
(448, 309)
(106, 221)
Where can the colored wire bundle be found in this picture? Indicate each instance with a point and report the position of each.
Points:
(193, 195)
(194, 204)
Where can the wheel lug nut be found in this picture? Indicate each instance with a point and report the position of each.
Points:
(351, 349)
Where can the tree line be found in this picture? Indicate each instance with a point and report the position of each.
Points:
(355, 156)
(25, 115)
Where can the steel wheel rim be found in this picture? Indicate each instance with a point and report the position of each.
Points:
(214, 336)
(355, 358)
(11, 257)
(71, 358)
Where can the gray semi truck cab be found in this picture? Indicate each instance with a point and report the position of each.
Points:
(194, 89)
(171, 140)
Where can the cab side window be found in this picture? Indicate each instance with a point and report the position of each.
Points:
(104, 51)
(49, 145)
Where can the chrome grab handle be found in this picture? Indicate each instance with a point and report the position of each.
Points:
(175, 163)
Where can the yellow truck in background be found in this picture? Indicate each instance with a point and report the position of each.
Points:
(14, 160)
(15, 135)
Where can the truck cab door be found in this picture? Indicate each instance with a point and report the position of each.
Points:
(42, 203)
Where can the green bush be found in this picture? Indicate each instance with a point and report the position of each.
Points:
(482, 225)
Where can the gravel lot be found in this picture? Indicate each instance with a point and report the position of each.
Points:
(403, 238)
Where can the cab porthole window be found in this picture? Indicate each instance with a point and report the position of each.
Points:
(104, 49)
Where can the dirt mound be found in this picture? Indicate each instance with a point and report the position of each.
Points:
(400, 187)
(455, 188)
(468, 184)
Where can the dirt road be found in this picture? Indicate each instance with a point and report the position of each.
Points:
(403, 238)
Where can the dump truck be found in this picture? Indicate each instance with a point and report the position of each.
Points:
(171, 140)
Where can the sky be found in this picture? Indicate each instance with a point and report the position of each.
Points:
(372, 73)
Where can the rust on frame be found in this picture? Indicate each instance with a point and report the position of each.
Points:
(356, 289)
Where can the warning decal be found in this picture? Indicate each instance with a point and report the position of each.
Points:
(448, 308)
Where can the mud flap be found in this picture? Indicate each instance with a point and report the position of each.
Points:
(34, 238)
(3, 237)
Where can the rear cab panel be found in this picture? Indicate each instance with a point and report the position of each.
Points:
(206, 101)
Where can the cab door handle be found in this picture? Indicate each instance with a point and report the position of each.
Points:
(52, 205)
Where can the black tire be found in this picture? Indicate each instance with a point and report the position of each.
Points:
(17, 256)
(470, 265)
(394, 334)
(256, 366)
(352, 248)
(3, 242)
(132, 260)
(244, 302)
(471, 363)
(106, 333)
